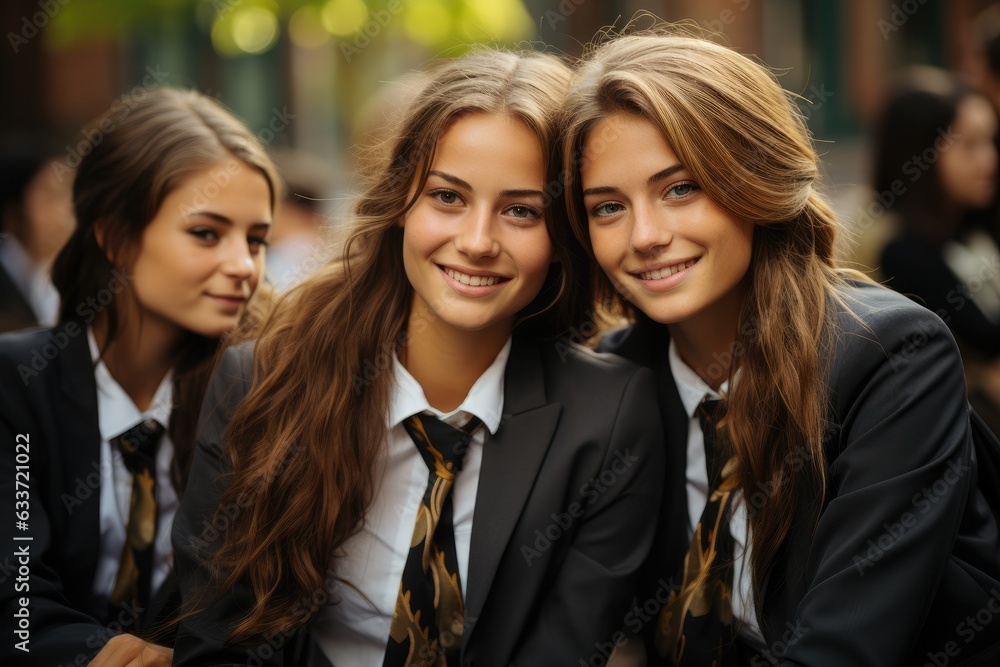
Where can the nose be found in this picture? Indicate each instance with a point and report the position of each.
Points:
(240, 263)
(477, 236)
(649, 231)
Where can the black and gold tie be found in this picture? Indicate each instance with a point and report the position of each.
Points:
(138, 447)
(695, 627)
(428, 621)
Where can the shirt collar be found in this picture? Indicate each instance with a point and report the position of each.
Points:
(692, 389)
(485, 399)
(116, 412)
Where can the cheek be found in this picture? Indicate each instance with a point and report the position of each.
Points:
(606, 245)
(736, 245)
(536, 254)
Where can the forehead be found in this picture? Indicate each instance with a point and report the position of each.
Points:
(623, 144)
(975, 114)
(490, 146)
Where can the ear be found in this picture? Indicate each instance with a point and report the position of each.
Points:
(100, 236)
(99, 229)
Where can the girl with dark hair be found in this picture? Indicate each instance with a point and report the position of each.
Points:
(173, 204)
(413, 461)
(822, 505)
(936, 152)
(36, 218)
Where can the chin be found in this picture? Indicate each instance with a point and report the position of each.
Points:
(213, 332)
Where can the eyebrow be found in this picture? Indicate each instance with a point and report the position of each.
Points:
(652, 180)
(224, 220)
(455, 180)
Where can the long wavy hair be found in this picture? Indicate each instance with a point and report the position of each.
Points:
(322, 365)
(134, 155)
(744, 141)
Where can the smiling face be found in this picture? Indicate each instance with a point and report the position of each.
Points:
(665, 245)
(475, 246)
(201, 256)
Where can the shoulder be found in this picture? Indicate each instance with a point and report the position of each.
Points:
(875, 327)
(236, 362)
(590, 383)
(580, 363)
(640, 341)
(232, 377)
(35, 355)
(873, 314)
(18, 345)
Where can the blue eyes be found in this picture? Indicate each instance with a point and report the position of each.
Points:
(678, 191)
(682, 189)
(608, 209)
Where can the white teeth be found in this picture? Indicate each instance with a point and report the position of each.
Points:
(474, 281)
(667, 270)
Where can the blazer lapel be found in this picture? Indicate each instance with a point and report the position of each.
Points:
(511, 460)
(675, 426)
(78, 442)
(647, 343)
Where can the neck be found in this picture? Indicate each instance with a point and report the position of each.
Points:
(705, 341)
(446, 361)
(138, 360)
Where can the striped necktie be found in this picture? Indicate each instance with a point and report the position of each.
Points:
(695, 626)
(428, 621)
(138, 447)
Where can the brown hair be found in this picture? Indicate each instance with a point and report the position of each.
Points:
(317, 407)
(744, 141)
(137, 153)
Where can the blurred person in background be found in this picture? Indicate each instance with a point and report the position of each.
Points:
(936, 157)
(173, 205)
(298, 244)
(36, 218)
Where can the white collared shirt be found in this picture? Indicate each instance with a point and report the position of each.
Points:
(116, 413)
(353, 629)
(693, 390)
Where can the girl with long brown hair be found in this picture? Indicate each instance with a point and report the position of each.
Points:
(173, 201)
(822, 506)
(414, 462)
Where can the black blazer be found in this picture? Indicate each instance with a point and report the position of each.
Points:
(570, 418)
(48, 394)
(15, 311)
(906, 547)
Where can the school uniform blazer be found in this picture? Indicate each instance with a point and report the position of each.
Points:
(564, 516)
(905, 553)
(48, 395)
(15, 311)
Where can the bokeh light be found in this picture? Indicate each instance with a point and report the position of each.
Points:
(427, 22)
(344, 18)
(306, 29)
(248, 28)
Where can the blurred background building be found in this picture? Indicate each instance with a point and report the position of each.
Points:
(317, 75)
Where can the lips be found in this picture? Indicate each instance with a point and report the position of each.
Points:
(665, 271)
(480, 279)
(230, 301)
